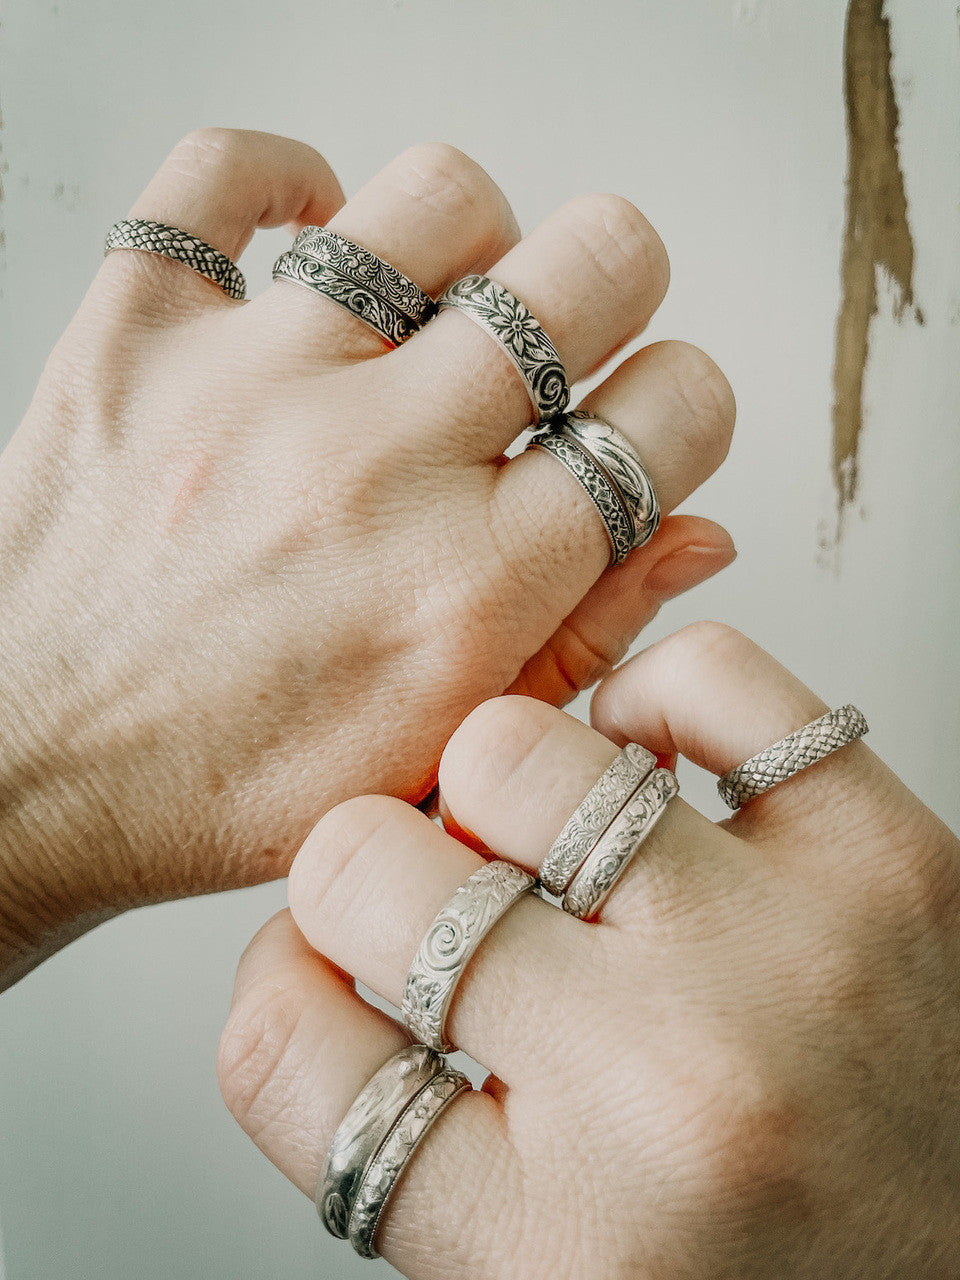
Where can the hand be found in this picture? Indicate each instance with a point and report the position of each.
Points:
(749, 1066)
(253, 564)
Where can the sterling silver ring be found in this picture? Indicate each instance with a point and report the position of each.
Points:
(593, 815)
(365, 1128)
(615, 454)
(616, 848)
(171, 242)
(511, 324)
(388, 1165)
(598, 486)
(792, 754)
(364, 268)
(450, 942)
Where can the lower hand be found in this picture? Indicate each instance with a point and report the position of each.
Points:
(748, 1067)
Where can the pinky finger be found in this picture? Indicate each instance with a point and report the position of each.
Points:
(299, 1045)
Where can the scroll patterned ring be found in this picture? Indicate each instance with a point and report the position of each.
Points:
(505, 318)
(792, 754)
(450, 942)
(365, 1128)
(616, 848)
(393, 325)
(366, 269)
(171, 242)
(615, 454)
(388, 1165)
(594, 814)
(598, 486)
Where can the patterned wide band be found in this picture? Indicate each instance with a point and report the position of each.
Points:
(450, 942)
(616, 456)
(519, 333)
(171, 242)
(792, 754)
(598, 486)
(366, 270)
(394, 326)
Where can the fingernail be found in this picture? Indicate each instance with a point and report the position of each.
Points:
(686, 568)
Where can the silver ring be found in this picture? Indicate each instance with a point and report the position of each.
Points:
(512, 325)
(393, 325)
(388, 1164)
(599, 488)
(594, 814)
(450, 942)
(613, 852)
(171, 242)
(364, 268)
(614, 453)
(792, 754)
(365, 1128)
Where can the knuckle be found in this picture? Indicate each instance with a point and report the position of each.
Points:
(490, 748)
(706, 645)
(256, 1043)
(326, 873)
(448, 181)
(210, 147)
(621, 242)
(706, 397)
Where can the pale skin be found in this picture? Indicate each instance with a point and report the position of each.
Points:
(252, 562)
(747, 1068)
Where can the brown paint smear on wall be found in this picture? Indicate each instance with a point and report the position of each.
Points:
(877, 234)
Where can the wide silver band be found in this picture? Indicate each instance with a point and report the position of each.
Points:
(393, 325)
(594, 814)
(450, 942)
(387, 1166)
(614, 453)
(365, 1127)
(364, 268)
(613, 852)
(512, 325)
(598, 486)
(172, 242)
(792, 754)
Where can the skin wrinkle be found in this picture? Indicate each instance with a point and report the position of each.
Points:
(877, 234)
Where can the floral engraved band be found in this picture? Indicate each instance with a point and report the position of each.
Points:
(365, 269)
(171, 242)
(365, 1128)
(450, 942)
(616, 848)
(387, 1166)
(792, 754)
(615, 455)
(594, 814)
(599, 488)
(517, 330)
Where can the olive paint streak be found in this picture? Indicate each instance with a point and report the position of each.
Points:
(877, 235)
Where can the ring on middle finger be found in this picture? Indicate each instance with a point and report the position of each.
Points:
(339, 269)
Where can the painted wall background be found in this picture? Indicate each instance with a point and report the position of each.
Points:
(725, 120)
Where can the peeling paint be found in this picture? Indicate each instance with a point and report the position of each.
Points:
(877, 236)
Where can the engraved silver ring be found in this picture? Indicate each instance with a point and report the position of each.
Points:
(593, 815)
(619, 844)
(365, 1128)
(449, 943)
(615, 454)
(172, 242)
(511, 324)
(598, 486)
(792, 754)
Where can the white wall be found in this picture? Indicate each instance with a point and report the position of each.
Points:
(723, 120)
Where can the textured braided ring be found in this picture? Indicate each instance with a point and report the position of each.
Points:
(791, 755)
(171, 242)
(365, 269)
(512, 325)
(614, 453)
(450, 942)
(599, 488)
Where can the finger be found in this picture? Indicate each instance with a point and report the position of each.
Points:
(516, 770)
(685, 551)
(675, 405)
(432, 213)
(717, 698)
(220, 185)
(593, 274)
(367, 885)
(299, 1046)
